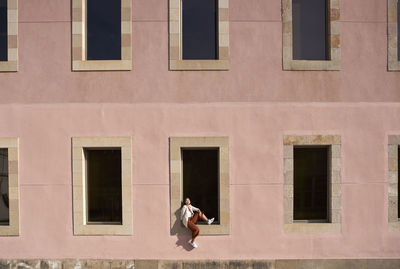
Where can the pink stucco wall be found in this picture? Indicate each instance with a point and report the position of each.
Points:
(256, 60)
(256, 183)
(255, 103)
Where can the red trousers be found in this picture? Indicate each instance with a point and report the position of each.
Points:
(192, 225)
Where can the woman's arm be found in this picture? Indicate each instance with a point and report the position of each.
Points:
(195, 209)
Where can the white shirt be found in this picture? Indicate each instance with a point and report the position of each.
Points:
(187, 212)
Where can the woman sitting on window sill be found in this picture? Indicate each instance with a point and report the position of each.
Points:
(189, 217)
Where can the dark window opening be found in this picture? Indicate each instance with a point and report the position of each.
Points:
(104, 188)
(201, 180)
(398, 31)
(4, 199)
(311, 30)
(199, 29)
(3, 31)
(311, 183)
(103, 30)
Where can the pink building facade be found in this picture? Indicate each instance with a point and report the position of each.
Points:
(254, 102)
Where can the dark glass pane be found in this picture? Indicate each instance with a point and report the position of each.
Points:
(3, 31)
(201, 179)
(310, 30)
(199, 29)
(398, 30)
(104, 188)
(310, 183)
(103, 29)
(4, 198)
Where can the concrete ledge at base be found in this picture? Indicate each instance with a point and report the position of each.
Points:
(202, 264)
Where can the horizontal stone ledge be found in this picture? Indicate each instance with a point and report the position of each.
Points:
(201, 264)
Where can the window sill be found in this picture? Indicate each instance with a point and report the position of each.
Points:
(199, 64)
(312, 228)
(394, 226)
(10, 66)
(306, 65)
(205, 230)
(9, 231)
(394, 66)
(102, 230)
(107, 65)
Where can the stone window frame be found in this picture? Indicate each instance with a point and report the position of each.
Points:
(176, 192)
(79, 182)
(11, 65)
(13, 228)
(79, 62)
(334, 36)
(334, 206)
(175, 40)
(393, 60)
(393, 181)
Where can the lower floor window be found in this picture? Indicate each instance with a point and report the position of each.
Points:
(200, 179)
(199, 170)
(310, 184)
(102, 185)
(104, 201)
(4, 199)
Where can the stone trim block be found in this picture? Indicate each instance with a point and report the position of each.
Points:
(13, 228)
(176, 144)
(79, 184)
(79, 62)
(335, 193)
(393, 182)
(393, 39)
(334, 36)
(11, 65)
(175, 36)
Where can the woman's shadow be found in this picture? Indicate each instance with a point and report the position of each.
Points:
(182, 233)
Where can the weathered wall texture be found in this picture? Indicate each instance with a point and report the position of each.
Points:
(255, 50)
(255, 133)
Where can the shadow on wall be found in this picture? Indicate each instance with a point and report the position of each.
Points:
(182, 233)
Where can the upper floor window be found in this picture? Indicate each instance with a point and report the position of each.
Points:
(311, 34)
(8, 35)
(310, 30)
(393, 35)
(101, 35)
(199, 35)
(199, 29)
(3, 31)
(103, 30)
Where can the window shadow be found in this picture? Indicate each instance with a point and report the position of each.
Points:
(182, 233)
